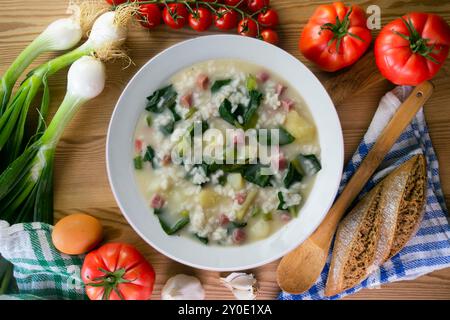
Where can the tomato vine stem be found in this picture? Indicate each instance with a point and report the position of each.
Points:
(213, 6)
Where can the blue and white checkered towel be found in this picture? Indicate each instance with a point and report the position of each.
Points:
(429, 249)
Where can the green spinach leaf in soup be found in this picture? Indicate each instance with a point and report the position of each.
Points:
(253, 174)
(225, 112)
(253, 105)
(171, 230)
(307, 165)
(292, 176)
(150, 156)
(168, 128)
(203, 240)
(219, 84)
(284, 137)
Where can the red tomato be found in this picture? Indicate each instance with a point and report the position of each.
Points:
(225, 19)
(247, 27)
(270, 36)
(335, 36)
(200, 19)
(268, 18)
(117, 271)
(175, 15)
(256, 5)
(150, 15)
(412, 49)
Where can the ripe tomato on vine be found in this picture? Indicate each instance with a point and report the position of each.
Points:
(251, 18)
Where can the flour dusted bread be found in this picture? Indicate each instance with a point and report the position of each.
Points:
(405, 192)
(355, 244)
(411, 207)
(379, 226)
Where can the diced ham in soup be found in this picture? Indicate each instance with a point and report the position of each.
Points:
(157, 201)
(287, 104)
(186, 100)
(262, 76)
(202, 81)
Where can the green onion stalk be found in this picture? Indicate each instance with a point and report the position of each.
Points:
(61, 34)
(26, 186)
(108, 33)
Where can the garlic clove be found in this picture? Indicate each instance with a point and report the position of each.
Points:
(242, 285)
(243, 281)
(183, 287)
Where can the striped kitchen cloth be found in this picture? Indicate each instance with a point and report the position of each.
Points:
(40, 270)
(429, 249)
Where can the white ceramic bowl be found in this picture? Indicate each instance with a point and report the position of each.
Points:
(119, 152)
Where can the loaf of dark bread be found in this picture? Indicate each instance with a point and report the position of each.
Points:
(379, 226)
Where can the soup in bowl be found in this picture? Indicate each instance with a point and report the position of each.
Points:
(222, 195)
(224, 159)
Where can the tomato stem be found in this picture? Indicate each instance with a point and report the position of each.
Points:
(110, 280)
(417, 44)
(340, 30)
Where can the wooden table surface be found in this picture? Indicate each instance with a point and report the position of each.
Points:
(81, 183)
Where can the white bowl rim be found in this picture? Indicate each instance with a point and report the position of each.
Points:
(338, 149)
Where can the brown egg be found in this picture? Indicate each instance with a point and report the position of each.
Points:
(77, 233)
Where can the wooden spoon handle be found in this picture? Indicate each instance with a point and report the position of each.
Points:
(401, 119)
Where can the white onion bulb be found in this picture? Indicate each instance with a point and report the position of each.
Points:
(105, 32)
(62, 34)
(86, 78)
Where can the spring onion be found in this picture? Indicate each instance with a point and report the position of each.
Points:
(26, 185)
(107, 35)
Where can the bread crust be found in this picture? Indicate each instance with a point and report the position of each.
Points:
(394, 185)
(414, 202)
(350, 240)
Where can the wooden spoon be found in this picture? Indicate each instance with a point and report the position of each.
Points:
(299, 269)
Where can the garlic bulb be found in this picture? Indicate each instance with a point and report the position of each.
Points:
(183, 287)
(242, 285)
